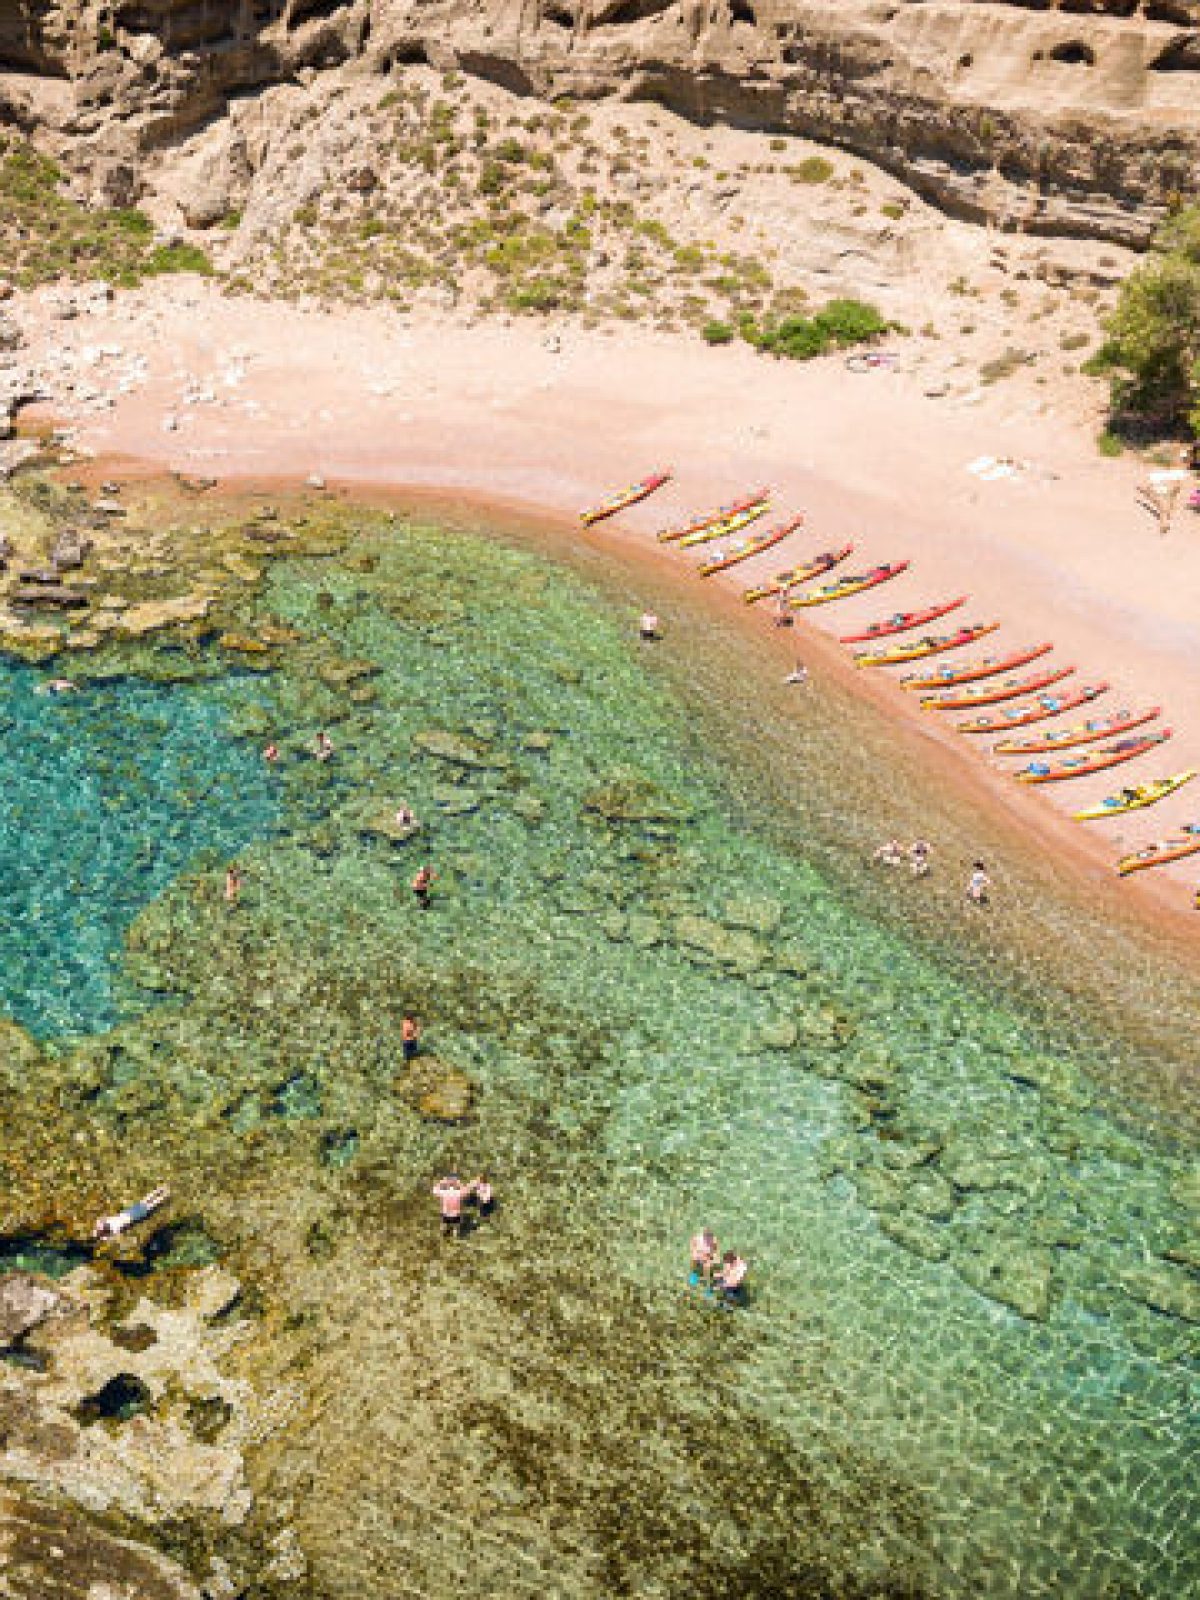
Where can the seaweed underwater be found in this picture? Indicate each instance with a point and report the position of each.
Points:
(969, 1343)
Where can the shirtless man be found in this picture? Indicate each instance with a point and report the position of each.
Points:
(421, 885)
(410, 1036)
(730, 1281)
(978, 885)
(450, 1193)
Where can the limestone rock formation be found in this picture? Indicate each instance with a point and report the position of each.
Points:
(1069, 116)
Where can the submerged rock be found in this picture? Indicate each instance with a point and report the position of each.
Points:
(25, 1301)
(1008, 1270)
(709, 940)
(440, 1092)
(759, 916)
(150, 615)
(457, 749)
(1172, 1290)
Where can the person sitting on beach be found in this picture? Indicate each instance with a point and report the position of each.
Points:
(648, 626)
(322, 746)
(450, 1194)
(410, 1036)
(483, 1194)
(704, 1256)
(730, 1282)
(890, 854)
(918, 857)
(112, 1227)
(978, 885)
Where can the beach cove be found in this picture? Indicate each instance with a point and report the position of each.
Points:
(958, 1152)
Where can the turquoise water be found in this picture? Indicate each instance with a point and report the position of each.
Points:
(106, 796)
(968, 1363)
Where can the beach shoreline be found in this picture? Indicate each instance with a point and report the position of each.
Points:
(526, 425)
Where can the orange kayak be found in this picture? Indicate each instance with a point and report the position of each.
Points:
(1036, 744)
(1045, 705)
(1157, 855)
(1092, 760)
(973, 671)
(992, 693)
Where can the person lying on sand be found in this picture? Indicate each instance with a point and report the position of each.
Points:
(112, 1227)
(799, 674)
(890, 854)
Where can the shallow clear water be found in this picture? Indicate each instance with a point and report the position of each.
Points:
(968, 1364)
(106, 795)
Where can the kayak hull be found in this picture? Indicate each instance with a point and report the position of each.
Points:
(1159, 855)
(722, 530)
(849, 586)
(721, 514)
(974, 671)
(903, 622)
(627, 497)
(1065, 738)
(993, 693)
(1148, 795)
(1096, 761)
(1037, 711)
(802, 574)
(924, 647)
(754, 548)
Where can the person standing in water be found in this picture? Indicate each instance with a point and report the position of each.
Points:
(730, 1282)
(421, 885)
(704, 1257)
(450, 1194)
(322, 746)
(483, 1193)
(979, 885)
(410, 1036)
(233, 884)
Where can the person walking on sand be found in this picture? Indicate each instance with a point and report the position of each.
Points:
(410, 1036)
(421, 885)
(918, 857)
(783, 607)
(450, 1194)
(233, 884)
(978, 885)
(648, 627)
(704, 1257)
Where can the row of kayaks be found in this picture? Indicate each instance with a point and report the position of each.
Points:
(969, 685)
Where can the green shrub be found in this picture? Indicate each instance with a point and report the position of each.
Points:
(718, 333)
(1152, 352)
(177, 258)
(1109, 444)
(851, 322)
(813, 169)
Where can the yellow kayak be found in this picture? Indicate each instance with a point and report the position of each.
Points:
(931, 645)
(719, 530)
(1147, 794)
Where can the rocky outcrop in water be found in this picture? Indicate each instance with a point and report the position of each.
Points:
(1069, 116)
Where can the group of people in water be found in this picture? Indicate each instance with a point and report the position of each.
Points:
(894, 854)
(721, 1275)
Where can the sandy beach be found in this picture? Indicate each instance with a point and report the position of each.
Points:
(1050, 541)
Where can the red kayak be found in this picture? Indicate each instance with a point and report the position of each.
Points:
(752, 547)
(1092, 760)
(972, 671)
(902, 621)
(1082, 733)
(699, 524)
(1046, 705)
(991, 693)
(625, 497)
(795, 575)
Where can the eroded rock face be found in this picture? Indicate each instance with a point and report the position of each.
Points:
(1073, 116)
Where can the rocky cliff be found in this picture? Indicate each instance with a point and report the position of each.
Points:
(1068, 116)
